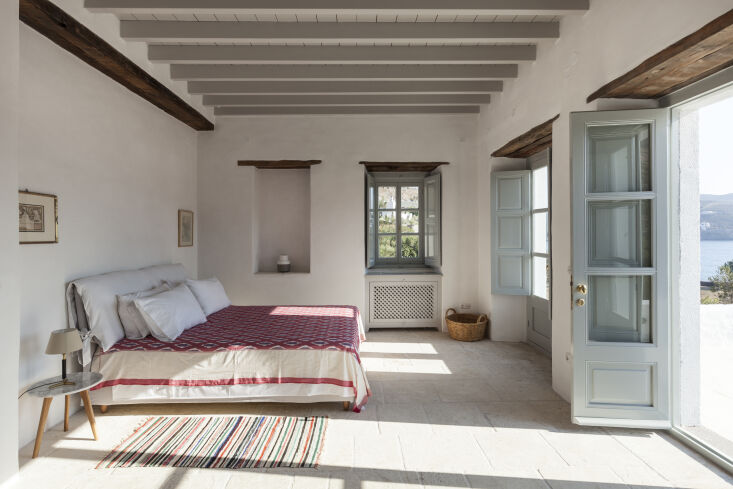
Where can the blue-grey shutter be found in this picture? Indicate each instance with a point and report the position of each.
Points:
(510, 233)
(371, 220)
(432, 221)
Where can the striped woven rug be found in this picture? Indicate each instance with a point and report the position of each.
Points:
(227, 442)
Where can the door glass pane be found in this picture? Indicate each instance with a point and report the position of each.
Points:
(388, 197)
(539, 277)
(619, 309)
(540, 188)
(410, 246)
(410, 197)
(410, 222)
(619, 158)
(539, 232)
(620, 233)
(387, 222)
(388, 246)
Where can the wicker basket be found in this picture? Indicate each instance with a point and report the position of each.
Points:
(466, 327)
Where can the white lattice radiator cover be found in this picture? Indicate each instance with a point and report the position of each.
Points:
(403, 302)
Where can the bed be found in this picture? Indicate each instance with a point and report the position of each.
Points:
(240, 354)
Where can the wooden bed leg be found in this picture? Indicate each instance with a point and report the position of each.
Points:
(103, 408)
(347, 404)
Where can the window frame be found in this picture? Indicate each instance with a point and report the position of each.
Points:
(399, 180)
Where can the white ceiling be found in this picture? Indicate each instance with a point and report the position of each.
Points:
(341, 56)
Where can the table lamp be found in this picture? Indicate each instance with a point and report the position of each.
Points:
(61, 342)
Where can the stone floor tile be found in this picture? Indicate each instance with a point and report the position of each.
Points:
(518, 448)
(582, 478)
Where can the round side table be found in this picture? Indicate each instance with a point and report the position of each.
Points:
(80, 383)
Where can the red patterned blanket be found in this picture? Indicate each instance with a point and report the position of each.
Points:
(263, 328)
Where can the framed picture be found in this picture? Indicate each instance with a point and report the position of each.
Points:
(37, 218)
(185, 228)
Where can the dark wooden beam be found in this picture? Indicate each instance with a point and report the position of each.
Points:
(67, 32)
(529, 143)
(692, 58)
(402, 166)
(279, 164)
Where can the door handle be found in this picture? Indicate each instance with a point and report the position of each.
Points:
(580, 302)
(581, 289)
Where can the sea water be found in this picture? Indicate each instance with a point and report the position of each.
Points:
(712, 255)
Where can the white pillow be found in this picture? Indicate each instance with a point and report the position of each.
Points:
(210, 294)
(99, 296)
(170, 313)
(132, 321)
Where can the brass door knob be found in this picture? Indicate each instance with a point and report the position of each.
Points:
(580, 302)
(581, 289)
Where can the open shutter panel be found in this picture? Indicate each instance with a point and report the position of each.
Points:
(432, 221)
(510, 232)
(371, 221)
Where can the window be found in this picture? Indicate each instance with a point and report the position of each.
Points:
(520, 236)
(403, 220)
(399, 226)
(540, 233)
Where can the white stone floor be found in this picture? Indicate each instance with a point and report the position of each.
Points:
(444, 415)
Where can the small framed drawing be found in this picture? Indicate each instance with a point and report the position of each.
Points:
(185, 228)
(37, 218)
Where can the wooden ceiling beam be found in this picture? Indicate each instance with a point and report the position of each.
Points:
(324, 32)
(221, 72)
(529, 143)
(692, 58)
(58, 26)
(391, 7)
(352, 110)
(341, 54)
(402, 166)
(279, 164)
(333, 87)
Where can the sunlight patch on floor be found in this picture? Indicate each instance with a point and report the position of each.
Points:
(396, 347)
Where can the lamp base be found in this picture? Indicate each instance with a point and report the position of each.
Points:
(62, 383)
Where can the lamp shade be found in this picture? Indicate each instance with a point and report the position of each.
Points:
(63, 341)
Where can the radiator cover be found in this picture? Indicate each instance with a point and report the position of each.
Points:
(403, 301)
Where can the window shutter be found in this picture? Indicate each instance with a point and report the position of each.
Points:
(510, 232)
(371, 221)
(432, 221)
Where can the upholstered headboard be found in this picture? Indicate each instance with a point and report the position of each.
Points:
(92, 302)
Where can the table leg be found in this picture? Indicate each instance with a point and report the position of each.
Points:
(41, 425)
(90, 411)
(66, 413)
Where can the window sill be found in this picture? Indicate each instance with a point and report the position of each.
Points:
(402, 271)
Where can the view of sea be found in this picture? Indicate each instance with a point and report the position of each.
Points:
(712, 255)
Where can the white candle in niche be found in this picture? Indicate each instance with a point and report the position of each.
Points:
(283, 264)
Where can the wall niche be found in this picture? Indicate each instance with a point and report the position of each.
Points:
(281, 217)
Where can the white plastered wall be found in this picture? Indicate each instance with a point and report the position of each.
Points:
(227, 196)
(121, 169)
(9, 293)
(594, 48)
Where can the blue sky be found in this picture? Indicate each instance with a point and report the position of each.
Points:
(716, 151)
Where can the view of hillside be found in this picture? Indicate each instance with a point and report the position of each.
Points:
(716, 217)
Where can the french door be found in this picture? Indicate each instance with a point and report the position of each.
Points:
(621, 327)
(539, 322)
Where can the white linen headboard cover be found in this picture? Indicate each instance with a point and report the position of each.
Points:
(92, 302)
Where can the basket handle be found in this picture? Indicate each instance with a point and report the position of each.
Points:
(484, 316)
(448, 310)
